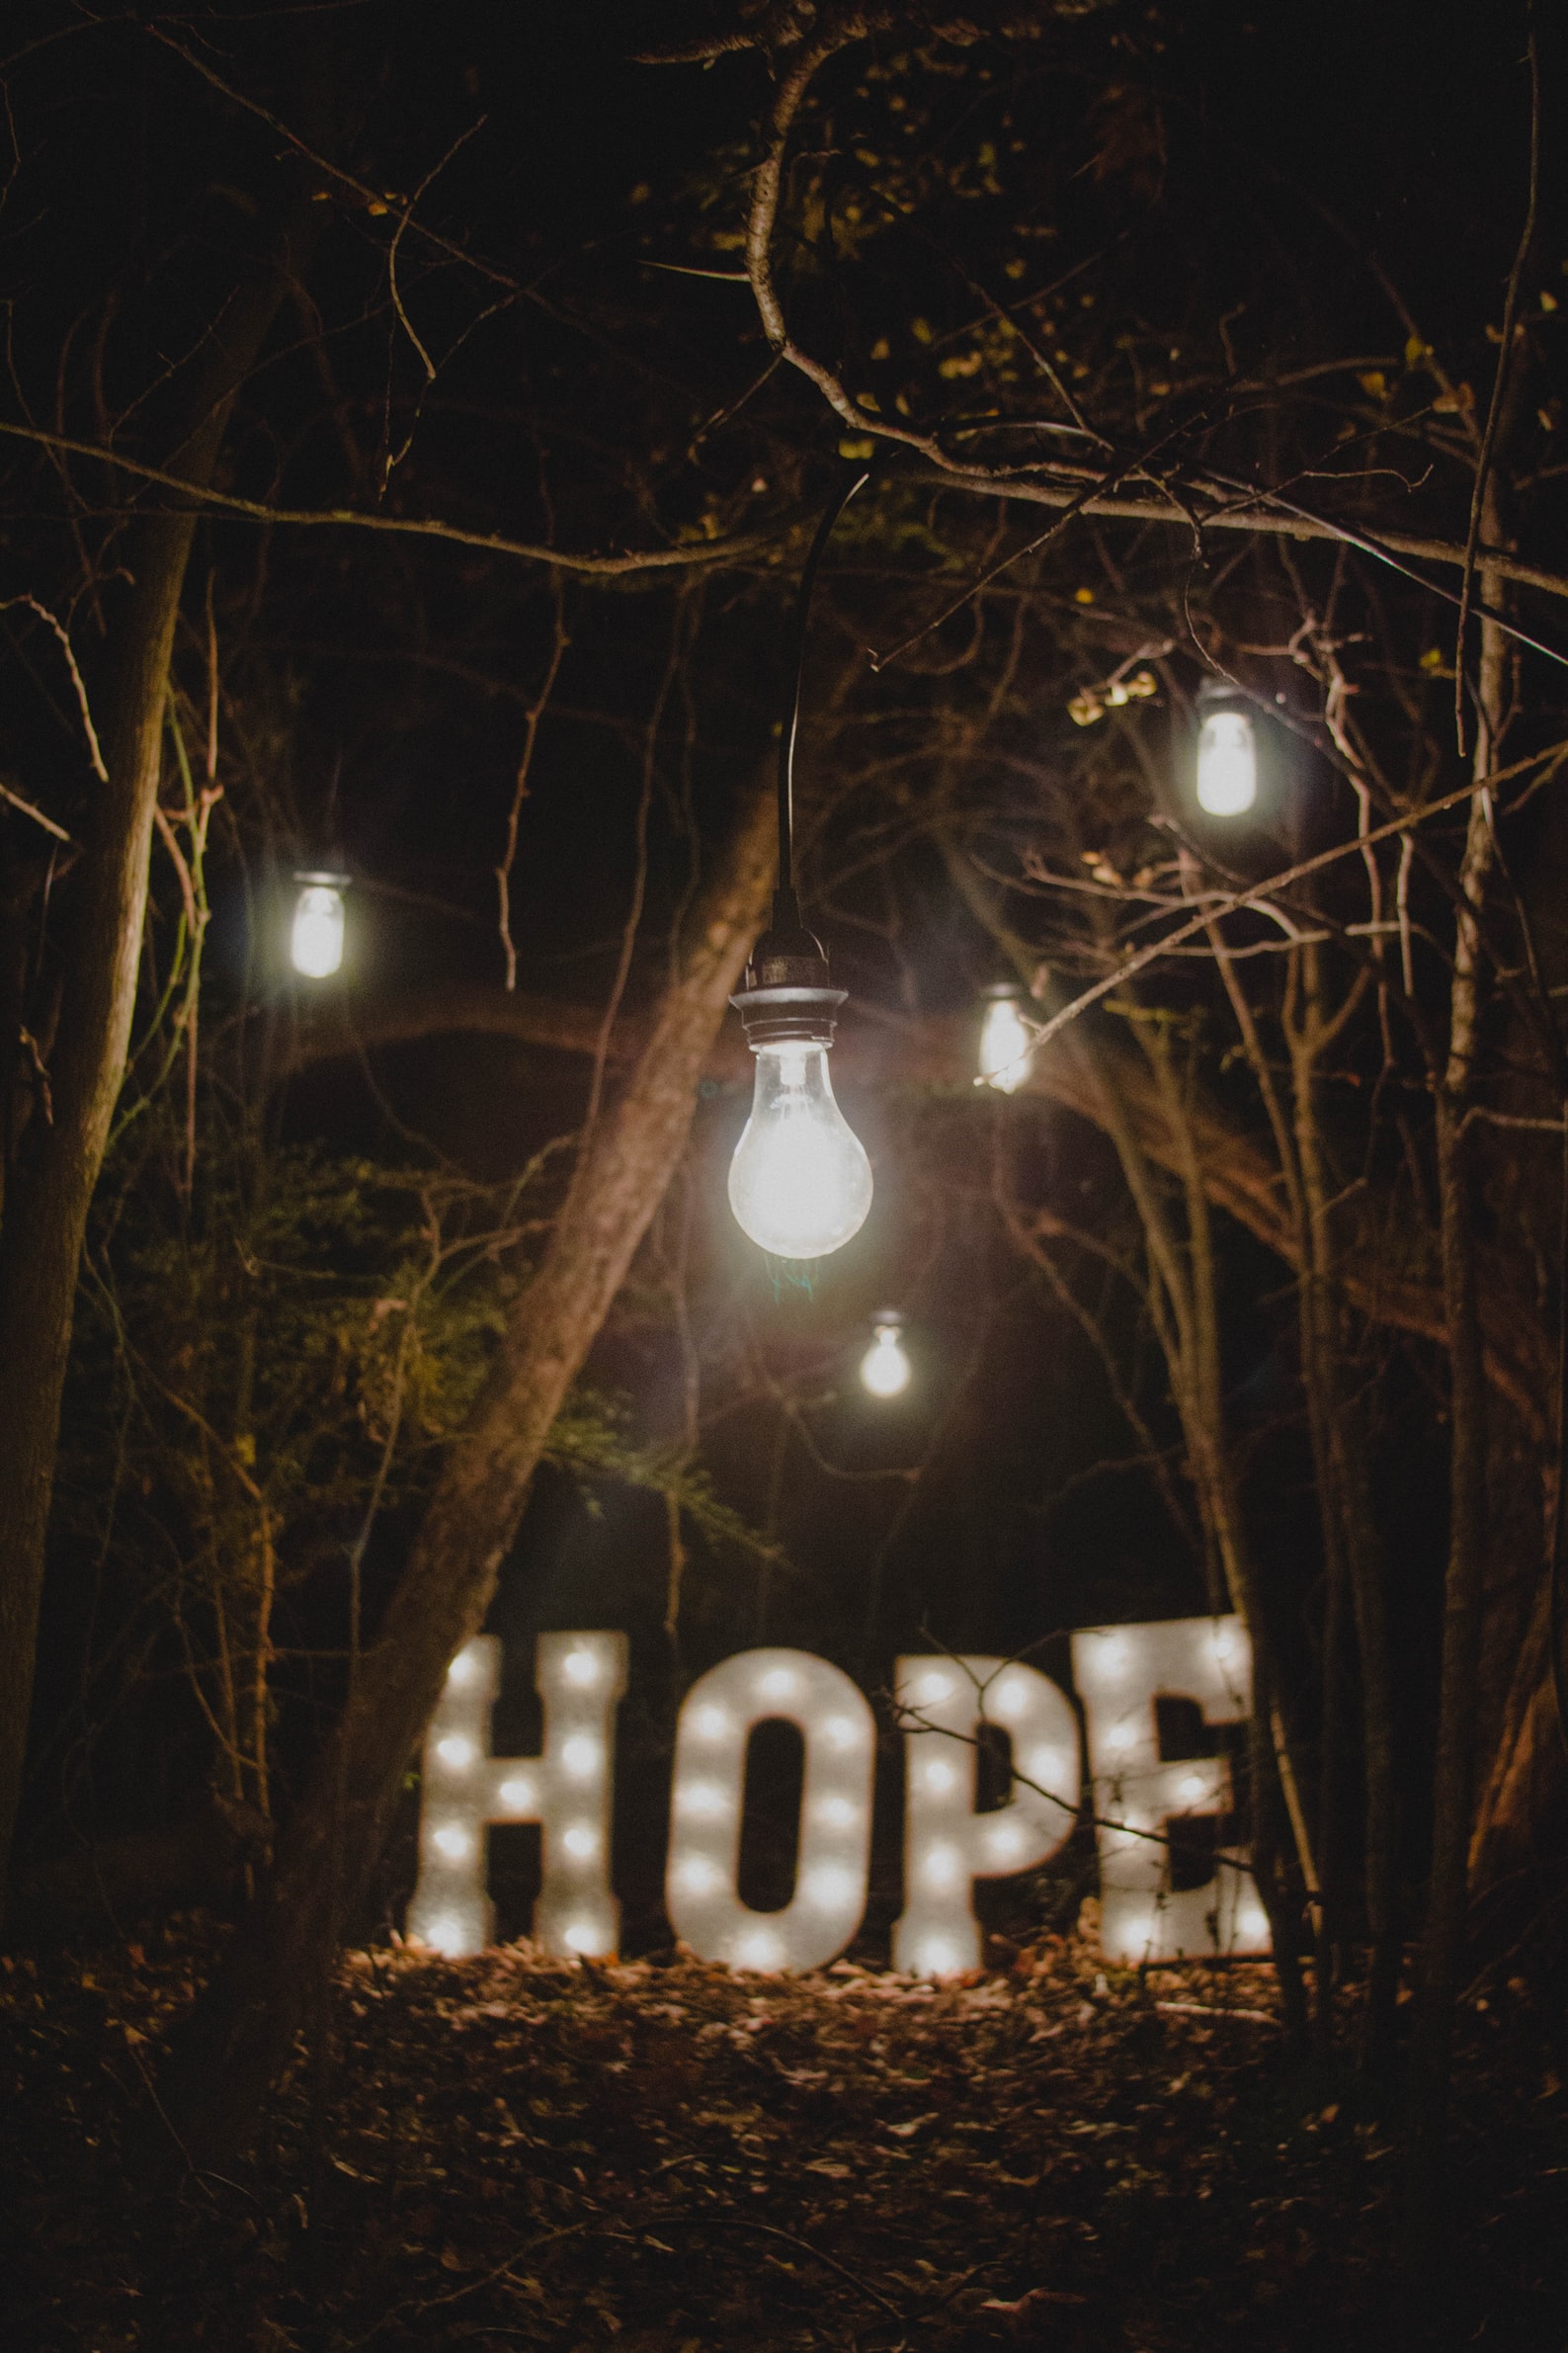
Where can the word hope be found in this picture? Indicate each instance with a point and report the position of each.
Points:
(945, 1705)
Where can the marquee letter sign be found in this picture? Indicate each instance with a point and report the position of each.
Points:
(945, 1704)
(1121, 1671)
(566, 1788)
(947, 1846)
(719, 1714)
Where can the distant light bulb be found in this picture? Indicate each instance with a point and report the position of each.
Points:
(517, 1792)
(456, 1751)
(799, 1184)
(582, 1667)
(885, 1368)
(581, 1757)
(582, 1841)
(1227, 763)
(315, 944)
(1005, 1044)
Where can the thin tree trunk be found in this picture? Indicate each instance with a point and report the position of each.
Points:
(243, 2028)
(1453, 1783)
(50, 1185)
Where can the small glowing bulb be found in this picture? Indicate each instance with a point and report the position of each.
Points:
(1192, 1788)
(1044, 1767)
(1006, 1043)
(1224, 1645)
(1253, 1922)
(840, 1731)
(940, 1866)
(580, 1757)
(1111, 1656)
(933, 1686)
(838, 1813)
(697, 1875)
(701, 1797)
(799, 1184)
(938, 1958)
(452, 1842)
(581, 1667)
(710, 1724)
(1120, 1737)
(315, 944)
(449, 1937)
(456, 1751)
(517, 1793)
(461, 1671)
(581, 1841)
(780, 1683)
(581, 1936)
(1227, 763)
(1012, 1698)
(885, 1368)
(759, 1950)
(1006, 1838)
(940, 1776)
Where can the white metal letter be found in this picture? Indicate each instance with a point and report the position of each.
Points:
(566, 1788)
(716, 1719)
(1121, 1671)
(947, 1846)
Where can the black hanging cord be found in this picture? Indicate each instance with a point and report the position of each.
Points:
(787, 907)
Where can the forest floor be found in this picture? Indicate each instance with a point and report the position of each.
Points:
(665, 2158)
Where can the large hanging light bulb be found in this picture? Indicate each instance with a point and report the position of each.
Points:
(800, 1183)
(1228, 753)
(1007, 1039)
(885, 1368)
(315, 940)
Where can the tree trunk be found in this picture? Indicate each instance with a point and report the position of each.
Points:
(50, 1185)
(1453, 1785)
(243, 2028)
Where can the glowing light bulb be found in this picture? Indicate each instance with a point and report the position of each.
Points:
(840, 1731)
(452, 1842)
(1120, 1737)
(712, 1724)
(885, 1368)
(456, 1751)
(939, 1959)
(760, 1950)
(799, 1184)
(933, 1686)
(701, 1797)
(940, 1776)
(580, 1757)
(778, 1684)
(1192, 1788)
(460, 1670)
(1252, 1921)
(838, 1813)
(1005, 1838)
(697, 1875)
(315, 943)
(1227, 763)
(582, 1667)
(581, 1936)
(1046, 1767)
(940, 1866)
(517, 1792)
(1005, 1042)
(1012, 1698)
(450, 1936)
(581, 1841)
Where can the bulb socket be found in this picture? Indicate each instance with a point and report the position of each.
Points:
(788, 993)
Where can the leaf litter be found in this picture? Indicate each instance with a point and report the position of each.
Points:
(659, 2156)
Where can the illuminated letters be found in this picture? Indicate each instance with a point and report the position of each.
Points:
(945, 1705)
(566, 1788)
(716, 1719)
(1119, 1671)
(947, 1846)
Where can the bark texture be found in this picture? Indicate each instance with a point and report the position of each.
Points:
(50, 1184)
(243, 2028)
